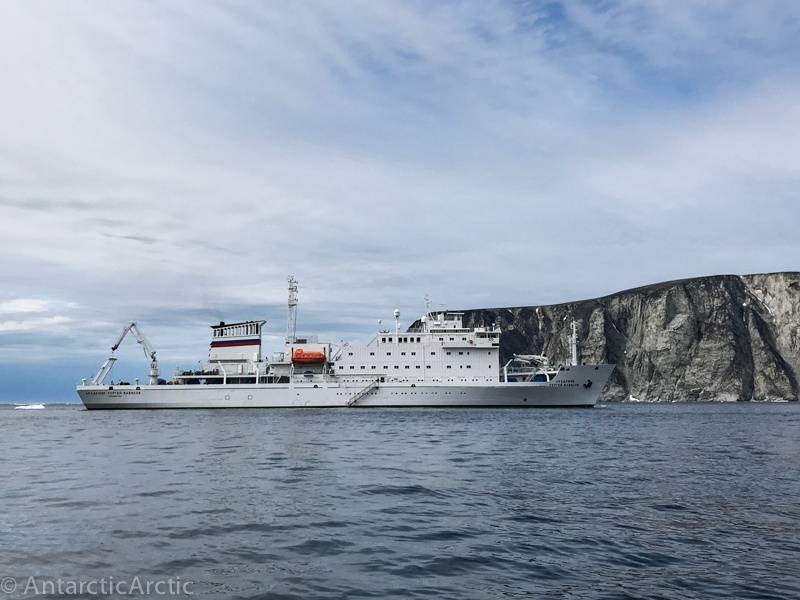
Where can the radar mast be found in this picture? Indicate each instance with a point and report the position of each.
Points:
(291, 326)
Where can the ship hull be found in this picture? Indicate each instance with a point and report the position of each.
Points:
(578, 387)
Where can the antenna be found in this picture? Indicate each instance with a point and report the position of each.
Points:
(397, 321)
(291, 325)
(574, 343)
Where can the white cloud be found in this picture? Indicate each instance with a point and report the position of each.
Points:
(43, 324)
(171, 163)
(23, 305)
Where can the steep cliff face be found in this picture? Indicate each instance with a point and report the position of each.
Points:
(725, 337)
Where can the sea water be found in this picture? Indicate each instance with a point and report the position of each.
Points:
(622, 501)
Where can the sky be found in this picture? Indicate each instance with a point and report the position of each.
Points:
(171, 162)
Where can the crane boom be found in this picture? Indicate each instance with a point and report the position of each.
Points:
(149, 353)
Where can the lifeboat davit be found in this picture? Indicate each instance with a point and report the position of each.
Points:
(307, 357)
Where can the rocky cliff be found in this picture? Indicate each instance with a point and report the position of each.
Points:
(725, 337)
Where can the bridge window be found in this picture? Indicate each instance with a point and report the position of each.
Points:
(383, 340)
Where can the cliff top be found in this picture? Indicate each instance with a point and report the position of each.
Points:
(653, 287)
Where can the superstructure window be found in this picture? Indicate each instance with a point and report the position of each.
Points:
(433, 353)
(402, 354)
(449, 367)
(418, 340)
(372, 354)
(413, 354)
(352, 366)
(388, 354)
(383, 340)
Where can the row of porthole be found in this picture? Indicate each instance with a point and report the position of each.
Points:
(373, 367)
(405, 393)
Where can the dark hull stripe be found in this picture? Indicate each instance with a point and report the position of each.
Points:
(376, 407)
(230, 343)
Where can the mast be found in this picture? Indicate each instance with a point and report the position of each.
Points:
(573, 340)
(291, 325)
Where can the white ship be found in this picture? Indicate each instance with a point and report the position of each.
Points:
(439, 364)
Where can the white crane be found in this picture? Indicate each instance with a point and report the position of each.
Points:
(146, 347)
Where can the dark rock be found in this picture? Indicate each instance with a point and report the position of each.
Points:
(725, 337)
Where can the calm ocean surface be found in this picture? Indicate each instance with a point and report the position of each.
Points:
(624, 501)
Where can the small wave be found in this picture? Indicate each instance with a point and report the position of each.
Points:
(29, 407)
(400, 490)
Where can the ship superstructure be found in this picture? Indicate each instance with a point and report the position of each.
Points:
(440, 362)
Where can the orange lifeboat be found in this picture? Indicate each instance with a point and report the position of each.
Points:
(307, 357)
